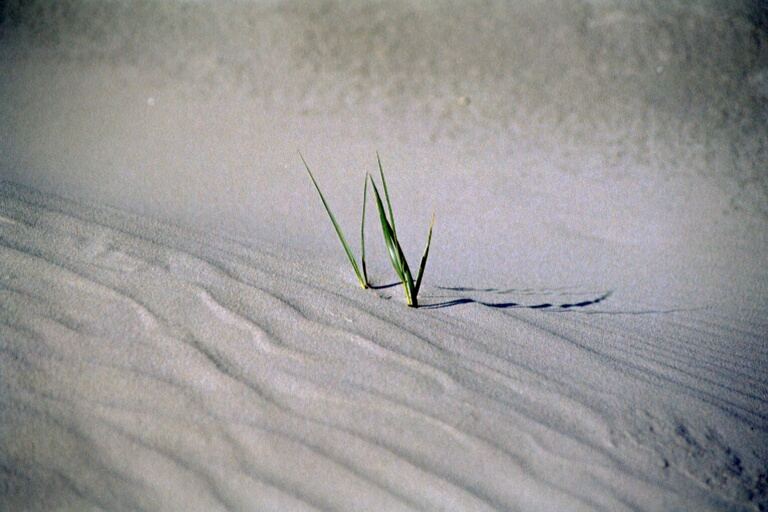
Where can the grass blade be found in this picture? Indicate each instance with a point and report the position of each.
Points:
(362, 231)
(424, 257)
(389, 237)
(386, 194)
(363, 282)
(395, 251)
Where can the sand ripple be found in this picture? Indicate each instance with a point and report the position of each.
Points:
(146, 367)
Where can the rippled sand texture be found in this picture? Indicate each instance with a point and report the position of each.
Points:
(593, 335)
(146, 367)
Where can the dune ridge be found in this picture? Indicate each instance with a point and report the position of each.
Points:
(147, 366)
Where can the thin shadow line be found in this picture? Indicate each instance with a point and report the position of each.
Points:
(383, 286)
(505, 291)
(505, 305)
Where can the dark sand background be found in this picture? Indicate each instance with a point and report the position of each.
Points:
(638, 121)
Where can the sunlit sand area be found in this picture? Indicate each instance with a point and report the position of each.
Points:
(180, 328)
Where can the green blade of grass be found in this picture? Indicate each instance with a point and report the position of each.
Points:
(424, 257)
(395, 251)
(362, 231)
(389, 237)
(363, 282)
(386, 194)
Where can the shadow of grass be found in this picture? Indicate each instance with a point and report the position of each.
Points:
(504, 305)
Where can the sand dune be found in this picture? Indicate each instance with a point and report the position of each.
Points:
(179, 329)
(151, 367)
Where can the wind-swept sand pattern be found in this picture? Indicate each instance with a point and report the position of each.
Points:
(180, 330)
(151, 367)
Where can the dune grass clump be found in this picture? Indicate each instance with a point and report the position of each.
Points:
(411, 286)
(362, 275)
(395, 251)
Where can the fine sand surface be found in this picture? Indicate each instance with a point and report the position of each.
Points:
(146, 367)
(180, 330)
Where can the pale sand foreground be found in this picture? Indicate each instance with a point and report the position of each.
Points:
(148, 367)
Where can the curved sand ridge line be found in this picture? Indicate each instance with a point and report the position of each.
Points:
(149, 367)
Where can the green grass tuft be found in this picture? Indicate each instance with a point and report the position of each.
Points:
(395, 251)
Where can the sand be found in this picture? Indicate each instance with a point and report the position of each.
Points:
(179, 329)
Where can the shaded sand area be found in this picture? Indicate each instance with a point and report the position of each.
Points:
(179, 329)
(150, 367)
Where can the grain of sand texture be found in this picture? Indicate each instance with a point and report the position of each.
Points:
(180, 330)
